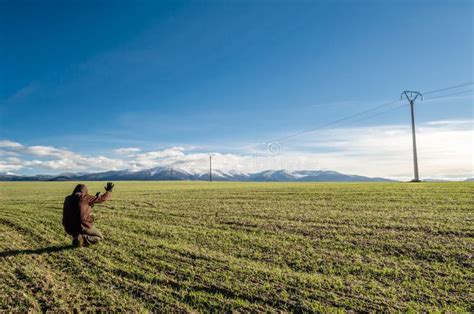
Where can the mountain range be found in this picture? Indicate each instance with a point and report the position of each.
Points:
(162, 173)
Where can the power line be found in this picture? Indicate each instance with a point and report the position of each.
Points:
(349, 117)
(371, 116)
(335, 121)
(447, 88)
(450, 95)
(370, 110)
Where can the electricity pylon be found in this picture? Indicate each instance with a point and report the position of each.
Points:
(411, 96)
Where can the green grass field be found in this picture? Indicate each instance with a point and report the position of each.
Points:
(196, 246)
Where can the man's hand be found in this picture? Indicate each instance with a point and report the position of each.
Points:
(109, 187)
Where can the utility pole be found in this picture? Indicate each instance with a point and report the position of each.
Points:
(171, 174)
(210, 168)
(411, 96)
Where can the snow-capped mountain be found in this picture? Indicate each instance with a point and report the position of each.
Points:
(165, 173)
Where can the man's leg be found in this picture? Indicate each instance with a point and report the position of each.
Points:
(92, 236)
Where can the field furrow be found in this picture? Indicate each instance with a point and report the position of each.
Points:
(251, 247)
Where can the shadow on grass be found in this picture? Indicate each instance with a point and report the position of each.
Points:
(44, 250)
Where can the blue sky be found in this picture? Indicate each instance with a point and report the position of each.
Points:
(92, 77)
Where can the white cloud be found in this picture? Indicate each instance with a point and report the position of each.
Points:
(9, 144)
(156, 158)
(168, 152)
(127, 150)
(48, 151)
(5, 167)
(51, 158)
(450, 122)
(445, 150)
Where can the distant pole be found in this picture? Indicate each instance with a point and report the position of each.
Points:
(210, 168)
(171, 174)
(411, 97)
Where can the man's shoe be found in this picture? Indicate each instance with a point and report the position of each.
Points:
(78, 241)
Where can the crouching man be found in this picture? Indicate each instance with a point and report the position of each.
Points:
(77, 215)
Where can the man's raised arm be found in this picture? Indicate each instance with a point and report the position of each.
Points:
(102, 198)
